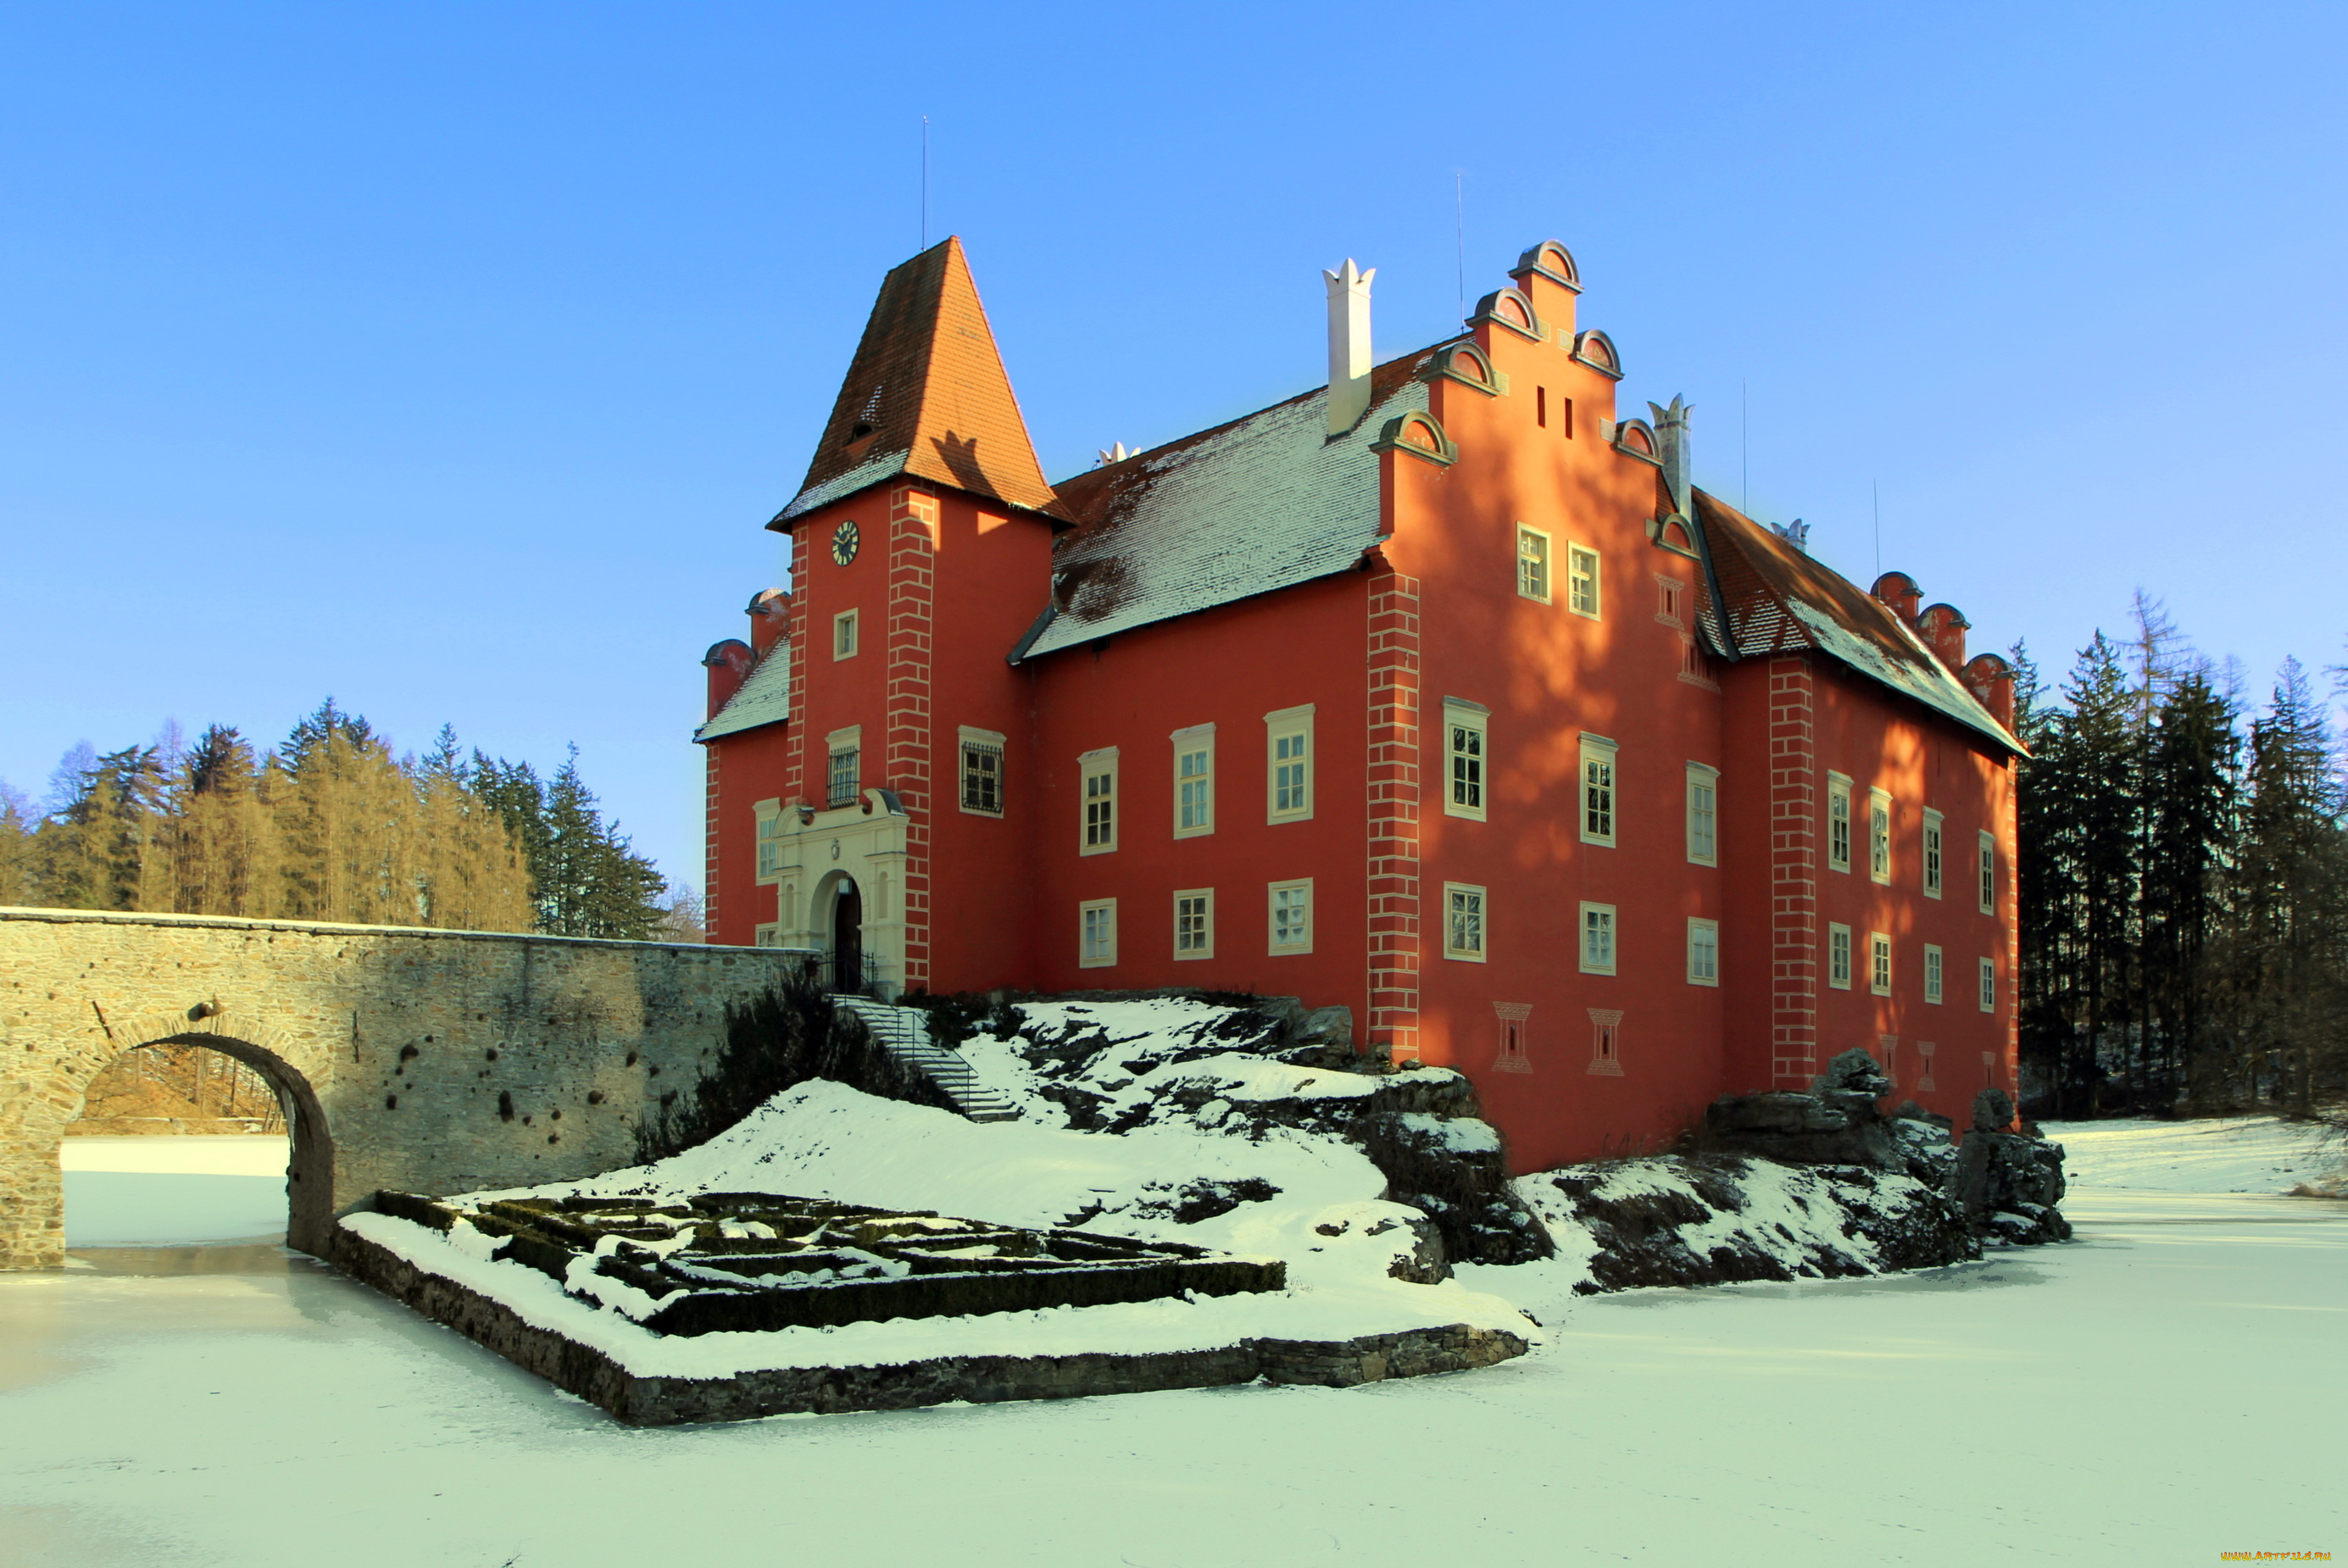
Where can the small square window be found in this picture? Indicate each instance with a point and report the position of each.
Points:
(1464, 723)
(1838, 957)
(1931, 973)
(1194, 782)
(1098, 770)
(1598, 939)
(844, 635)
(1838, 822)
(1989, 986)
(1288, 765)
(1463, 923)
(1532, 565)
(1931, 854)
(1703, 814)
(1097, 933)
(1581, 581)
(1606, 1042)
(1703, 953)
(1598, 758)
(1879, 968)
(1671, 597)
(1879, 836)
(1987, 874)
(1194, 922)
(981, 772)
(1290, 916)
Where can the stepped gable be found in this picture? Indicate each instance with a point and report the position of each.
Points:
(926, 397)
(1264, 503)
(1780, 600)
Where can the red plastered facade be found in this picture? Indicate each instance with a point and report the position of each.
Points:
(1665, 642)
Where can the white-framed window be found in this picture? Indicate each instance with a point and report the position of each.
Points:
(1096, 829)
(771, 832)
(1097, 933)
(1671, 600)
(844, 635)
(1463, 921)
(1194, 922)
(1532, 564)
(1839, 957)
(1288, 764)
(1288, 916)
(1598, 762)
(843, 775)
(1987, 873)
(1465, 723)
(1194, 782)
(1878, 837)
(1581, 581)
(768, 935)
(1933, 974)
(1598, 939)
(1703, 953)
(1989, 984)
(1879, 962)
(981, 772)
(1932, 839)
(1703, 814)
(1838, 822)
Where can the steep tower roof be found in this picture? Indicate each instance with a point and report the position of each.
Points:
(926, 396)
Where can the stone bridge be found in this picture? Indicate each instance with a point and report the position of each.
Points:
(432, 1061)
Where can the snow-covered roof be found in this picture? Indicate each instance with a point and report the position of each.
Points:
(1779, 599)
(764, 698)
(1264, 503)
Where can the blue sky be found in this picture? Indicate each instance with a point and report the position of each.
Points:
(448, 358)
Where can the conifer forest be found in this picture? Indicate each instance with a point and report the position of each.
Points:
(333, 824)
(2183, 884)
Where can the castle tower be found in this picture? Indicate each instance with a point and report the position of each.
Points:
(921, 551)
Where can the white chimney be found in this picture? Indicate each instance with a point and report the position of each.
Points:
(1349, 346)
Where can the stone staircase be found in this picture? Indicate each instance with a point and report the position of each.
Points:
(904, 1032)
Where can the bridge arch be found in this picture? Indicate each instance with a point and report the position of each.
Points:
(310, 1163)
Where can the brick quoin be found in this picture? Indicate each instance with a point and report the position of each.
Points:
(1793, 873)
(1394, 788)
(912, 549)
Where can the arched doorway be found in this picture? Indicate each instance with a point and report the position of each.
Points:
(847, 937)
(195, 1078)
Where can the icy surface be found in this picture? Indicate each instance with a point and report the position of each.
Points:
(2151, 1393)
(2230, 1154)
(226, 1188)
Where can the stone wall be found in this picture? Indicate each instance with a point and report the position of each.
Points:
(428, 1062)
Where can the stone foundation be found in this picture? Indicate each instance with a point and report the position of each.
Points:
(979, 1379)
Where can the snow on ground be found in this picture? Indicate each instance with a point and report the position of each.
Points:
(2230, 1154)
(2149, 1394)
(229, 1188)
(823, 1139)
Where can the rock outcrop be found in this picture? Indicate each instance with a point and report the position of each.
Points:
(2005, 1184)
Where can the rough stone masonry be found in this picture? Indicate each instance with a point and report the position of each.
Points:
(429, 1061)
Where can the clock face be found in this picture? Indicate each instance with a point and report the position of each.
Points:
(843, 543)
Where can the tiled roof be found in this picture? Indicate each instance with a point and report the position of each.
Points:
(1780, 600)
(1261, 503)
(926, 397)
(765, 698)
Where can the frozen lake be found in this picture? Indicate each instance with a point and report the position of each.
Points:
(2160, 1391)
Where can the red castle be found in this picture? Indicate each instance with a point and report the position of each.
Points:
(1437, 693)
